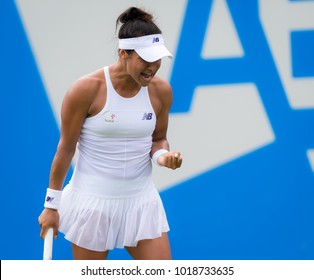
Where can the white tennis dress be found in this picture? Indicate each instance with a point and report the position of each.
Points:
(111, 201)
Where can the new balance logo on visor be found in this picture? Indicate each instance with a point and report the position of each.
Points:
(147, 116)
(155, 39)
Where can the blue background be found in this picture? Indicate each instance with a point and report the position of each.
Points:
(259, 206)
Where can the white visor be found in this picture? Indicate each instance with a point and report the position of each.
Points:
(150, 48)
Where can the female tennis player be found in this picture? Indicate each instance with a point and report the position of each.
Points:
(117, 118)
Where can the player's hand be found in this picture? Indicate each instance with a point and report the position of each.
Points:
(171, 160)
(49, 218)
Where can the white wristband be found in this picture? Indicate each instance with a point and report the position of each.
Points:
(53, 199)
(157, 154)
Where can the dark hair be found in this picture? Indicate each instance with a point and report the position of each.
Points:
(135, 23)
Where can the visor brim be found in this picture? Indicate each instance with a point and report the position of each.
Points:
(154, 53)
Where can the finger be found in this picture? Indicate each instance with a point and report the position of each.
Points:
(42, 233)
(177, 158)
(55, 233)
(178, 161)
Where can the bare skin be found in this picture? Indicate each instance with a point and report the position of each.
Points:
(149, 249)
(152, 249)
(86, 98)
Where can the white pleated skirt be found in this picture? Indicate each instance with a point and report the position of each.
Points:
(100, 223)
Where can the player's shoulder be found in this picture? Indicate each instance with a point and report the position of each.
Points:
(161, 84)
(90, 82)
(88, 85)
(160, 88)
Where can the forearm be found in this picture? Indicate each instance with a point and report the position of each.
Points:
(160, 144)
(60, 167)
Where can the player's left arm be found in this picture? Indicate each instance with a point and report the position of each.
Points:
(163, 100)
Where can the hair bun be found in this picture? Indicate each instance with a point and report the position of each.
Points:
(134, 13)
(136, 22)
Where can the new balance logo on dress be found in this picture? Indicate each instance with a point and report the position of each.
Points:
(147, 116)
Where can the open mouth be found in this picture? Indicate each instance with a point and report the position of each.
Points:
(146, 76)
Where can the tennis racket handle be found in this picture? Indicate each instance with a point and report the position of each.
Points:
(48, 241)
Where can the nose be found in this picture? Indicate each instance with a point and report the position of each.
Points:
(154, 65)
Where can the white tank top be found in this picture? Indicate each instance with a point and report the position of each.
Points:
(114, 146)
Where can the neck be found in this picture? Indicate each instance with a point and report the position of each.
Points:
(122, 82)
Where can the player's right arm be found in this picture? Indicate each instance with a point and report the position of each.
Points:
(75, 109)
